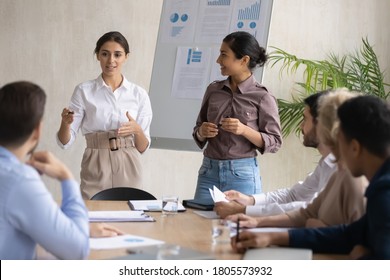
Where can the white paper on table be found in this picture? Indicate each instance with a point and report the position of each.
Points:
(122, 241)
(268, 229)
(207, 214)
(217, 195)
(119, 216)
(151, 205)
(212, 194)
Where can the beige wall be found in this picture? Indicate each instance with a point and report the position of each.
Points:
(51, 42)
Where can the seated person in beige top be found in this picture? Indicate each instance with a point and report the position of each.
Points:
(342, 199)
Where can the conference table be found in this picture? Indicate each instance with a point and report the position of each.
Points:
(186, 229)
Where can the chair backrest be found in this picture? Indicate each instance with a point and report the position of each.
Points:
(123, 194)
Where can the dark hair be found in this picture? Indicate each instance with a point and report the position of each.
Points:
(242, 44)
(112, 36)
(21, 109)
(367, 119)
(312, 101)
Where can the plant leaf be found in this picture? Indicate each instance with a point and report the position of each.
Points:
(359, 71)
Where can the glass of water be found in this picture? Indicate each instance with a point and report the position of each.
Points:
(220, 231)
(169, 204)
(168, 252)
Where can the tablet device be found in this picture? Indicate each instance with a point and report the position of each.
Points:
(278, 253)
(151, 253)
(200, 204)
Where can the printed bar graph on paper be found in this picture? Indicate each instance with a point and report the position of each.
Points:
(189, 56)
(194, 56)
(176, 30)
(250, 13)
(218, 2)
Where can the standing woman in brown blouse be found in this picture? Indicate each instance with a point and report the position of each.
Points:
(238, 117)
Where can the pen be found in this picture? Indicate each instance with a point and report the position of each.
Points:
(238, 230)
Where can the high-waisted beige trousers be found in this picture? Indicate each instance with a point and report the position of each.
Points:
(103, 168)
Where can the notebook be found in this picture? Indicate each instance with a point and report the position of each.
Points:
(121, 241)
(278, 253)
(151, 253)
(201, 204)
(119, 216)
(151, 205)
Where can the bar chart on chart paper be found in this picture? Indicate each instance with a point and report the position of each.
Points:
(194, 56)
(246, 16)
(250, 13)
(218, 2)
(191, 72)
(213, 21)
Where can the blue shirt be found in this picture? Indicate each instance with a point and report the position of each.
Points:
(29, 215)
(371, 231)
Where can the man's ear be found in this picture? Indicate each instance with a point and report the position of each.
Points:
(37, 132)
(356, 148)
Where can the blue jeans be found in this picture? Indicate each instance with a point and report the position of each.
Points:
(239, 174)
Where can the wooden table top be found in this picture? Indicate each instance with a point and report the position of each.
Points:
(186, 229)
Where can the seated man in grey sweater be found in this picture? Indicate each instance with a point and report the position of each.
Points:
(298, 195)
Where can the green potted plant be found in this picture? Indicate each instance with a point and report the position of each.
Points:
(357, 71)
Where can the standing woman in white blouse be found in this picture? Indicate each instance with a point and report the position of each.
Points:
(114, 115)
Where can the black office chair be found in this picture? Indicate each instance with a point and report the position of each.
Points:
(123, 194)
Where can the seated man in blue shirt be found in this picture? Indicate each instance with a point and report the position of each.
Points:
(364, 140)
(28, 213)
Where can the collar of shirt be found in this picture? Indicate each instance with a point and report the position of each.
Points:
(10, 164)
(101, 83)
(382, 174)
(244, 86)
(329, 160)
(5, 154)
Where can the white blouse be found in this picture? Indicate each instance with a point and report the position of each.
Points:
(97, 108)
